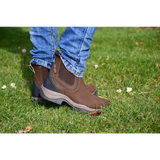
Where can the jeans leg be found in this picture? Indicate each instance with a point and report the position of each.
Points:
(74, 46)
(44, 40)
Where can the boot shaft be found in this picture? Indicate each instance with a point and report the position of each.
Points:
(40, 74)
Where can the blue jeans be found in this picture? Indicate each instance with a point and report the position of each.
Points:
(74, 47)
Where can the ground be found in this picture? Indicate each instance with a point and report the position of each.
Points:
(124, 57)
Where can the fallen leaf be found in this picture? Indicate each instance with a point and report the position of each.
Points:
(21, 131)
(102, 64)
(24, 50)
(146, 50)
(28, 129)
(137, 43)
(100, 57)
(94, 113)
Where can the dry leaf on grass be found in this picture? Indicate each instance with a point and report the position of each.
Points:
(94, 113)
(20, 131)
(24, 50)
(145, 50)
(138, 43)
(28, 129)
(157, 65)
(102, 64)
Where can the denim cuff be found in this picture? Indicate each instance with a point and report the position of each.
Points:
(41, 63)
(70, 68)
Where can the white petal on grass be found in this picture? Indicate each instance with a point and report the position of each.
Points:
(119, 91)
(4, 87)
(129, 89)
(96, 66)
(12, 84)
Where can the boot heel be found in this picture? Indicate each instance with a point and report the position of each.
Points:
(56, 100)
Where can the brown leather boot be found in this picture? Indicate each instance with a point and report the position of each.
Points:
(61, 85)
(40, 73)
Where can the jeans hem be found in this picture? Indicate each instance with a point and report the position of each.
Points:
(41, 63)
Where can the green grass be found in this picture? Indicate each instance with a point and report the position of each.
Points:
(129, 65)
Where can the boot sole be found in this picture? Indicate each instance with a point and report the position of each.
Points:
(58, 98)
(39, 101)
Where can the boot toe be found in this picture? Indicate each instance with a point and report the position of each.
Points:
(99, 103)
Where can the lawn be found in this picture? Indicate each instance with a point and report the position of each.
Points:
(126, 57)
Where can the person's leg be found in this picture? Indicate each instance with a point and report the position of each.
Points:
(74, 46)
(64, 82)
(44, 40)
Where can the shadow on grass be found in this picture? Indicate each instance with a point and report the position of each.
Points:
(11, 38)
(48, 105)
(14, 39)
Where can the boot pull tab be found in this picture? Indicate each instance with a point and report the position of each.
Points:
(54, 64)
(31, 68)
(54, 67)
